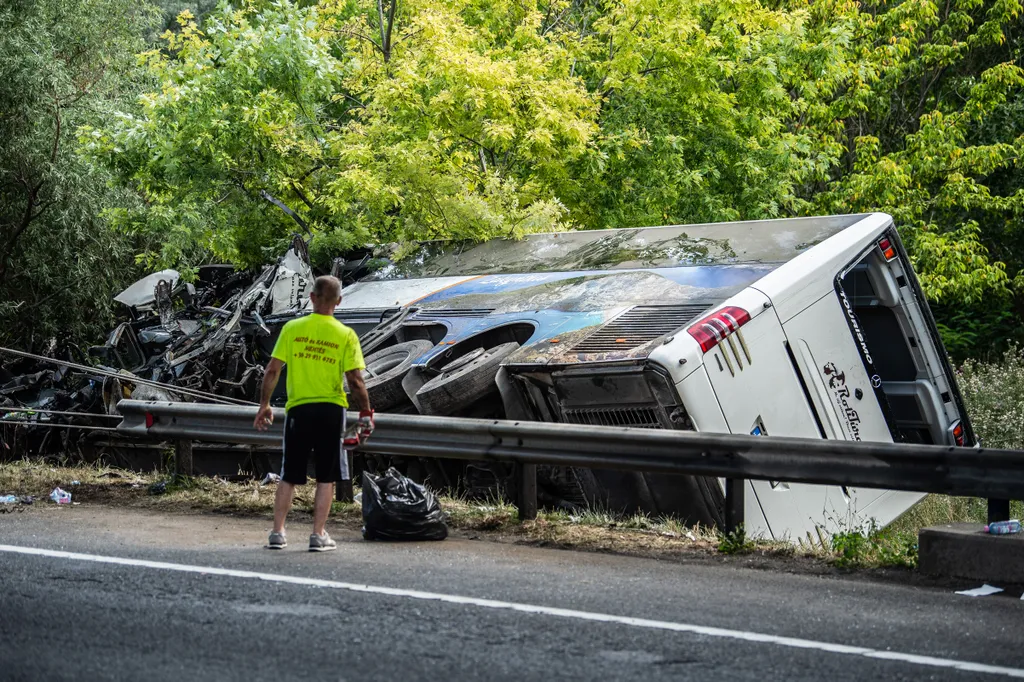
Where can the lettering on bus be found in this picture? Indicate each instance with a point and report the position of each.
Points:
(851, 317)
(841, 394)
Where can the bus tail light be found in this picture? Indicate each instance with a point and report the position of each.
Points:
(887, 248)
(709, 331)
(957, 431)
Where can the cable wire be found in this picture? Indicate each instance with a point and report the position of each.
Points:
(51, 425)
(32, 410)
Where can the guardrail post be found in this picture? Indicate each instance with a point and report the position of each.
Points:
(183, 458)
(343, 491)
(733, 504)
(527, 492)
(998, 510)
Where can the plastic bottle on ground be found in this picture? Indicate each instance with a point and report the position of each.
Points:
(1003, 527)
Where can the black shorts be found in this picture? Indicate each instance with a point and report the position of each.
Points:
(317, 429)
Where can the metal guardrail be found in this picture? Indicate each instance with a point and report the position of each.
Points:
(994, 474)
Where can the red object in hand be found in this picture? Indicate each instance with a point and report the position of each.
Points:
(365, 425)
(357, 434)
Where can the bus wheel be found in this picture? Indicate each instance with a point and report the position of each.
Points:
(385, 369)
(464, 381)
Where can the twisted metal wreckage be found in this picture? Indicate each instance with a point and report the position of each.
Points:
(183, 341)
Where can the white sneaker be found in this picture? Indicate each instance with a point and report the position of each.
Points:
(321, 543)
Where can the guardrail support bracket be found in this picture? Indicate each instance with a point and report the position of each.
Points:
(183, 458)
(343, 491)
(527, 492)
(733, 504)
(998, 510)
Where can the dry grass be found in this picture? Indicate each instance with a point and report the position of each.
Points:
(595, 530)
(110, 485)
(498, 519)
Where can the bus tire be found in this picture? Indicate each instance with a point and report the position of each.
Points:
(385, 370)
(464, 381)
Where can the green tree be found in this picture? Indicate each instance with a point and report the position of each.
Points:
(280, 119)
(64, 63)
(219, 153)
(931, 130)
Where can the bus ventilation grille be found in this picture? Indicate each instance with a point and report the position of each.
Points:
(441, 313)
(641, 417)
(639, 325)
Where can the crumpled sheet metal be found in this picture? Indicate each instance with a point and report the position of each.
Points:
(142, 292)
(203, 337)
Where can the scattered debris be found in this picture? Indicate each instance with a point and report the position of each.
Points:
(982, 591)
(158, 488)
(60, 496)
(270, 478)
(211, 338)
(8, 499)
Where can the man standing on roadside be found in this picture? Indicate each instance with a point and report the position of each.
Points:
(318, 350)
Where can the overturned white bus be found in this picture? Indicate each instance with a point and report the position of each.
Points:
(806, 327)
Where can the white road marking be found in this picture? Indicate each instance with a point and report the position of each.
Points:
(743, 635)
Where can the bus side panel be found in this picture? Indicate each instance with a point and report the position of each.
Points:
(706, 414)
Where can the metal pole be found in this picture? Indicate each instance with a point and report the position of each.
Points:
(733, 504)
(183, 458)
(998, 510)
(527, 492)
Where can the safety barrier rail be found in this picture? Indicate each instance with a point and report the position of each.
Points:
(994, 474)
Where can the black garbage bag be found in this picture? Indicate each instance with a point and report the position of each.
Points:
(397, 508)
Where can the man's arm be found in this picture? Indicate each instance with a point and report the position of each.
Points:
(265, 416)
(357, 389)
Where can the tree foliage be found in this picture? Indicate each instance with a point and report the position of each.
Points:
(64, 62)
(391, 120)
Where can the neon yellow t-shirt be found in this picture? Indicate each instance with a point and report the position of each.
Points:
(317, 350)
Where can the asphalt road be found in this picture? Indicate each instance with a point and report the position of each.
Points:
(197, 598)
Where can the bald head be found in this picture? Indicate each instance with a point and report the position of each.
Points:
(326, 294)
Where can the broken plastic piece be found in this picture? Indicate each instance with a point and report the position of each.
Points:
(60, 496)
(8, 499)
(270, 478)
(982, 591)
(143, 292)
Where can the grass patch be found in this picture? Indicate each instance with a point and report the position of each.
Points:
(735, 542)
(874, 548)
(592, 530)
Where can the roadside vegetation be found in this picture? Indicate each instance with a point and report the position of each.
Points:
(592, 530)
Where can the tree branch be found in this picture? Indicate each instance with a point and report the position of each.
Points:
(391, 24)
(289, 212)
(301, 196)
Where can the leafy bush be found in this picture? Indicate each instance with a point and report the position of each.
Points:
(994, 393)
(871, 547)
(735, 542)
